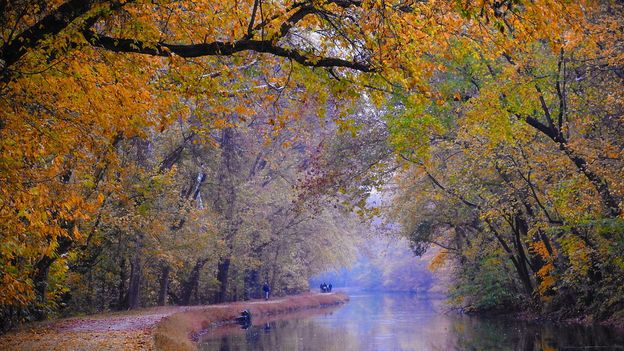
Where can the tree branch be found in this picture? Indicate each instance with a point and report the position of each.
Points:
(51, 24)
(545, 108)
(218, 48)
(561, 93)
(253, 18)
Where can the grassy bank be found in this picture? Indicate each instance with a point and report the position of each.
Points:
(174, 332)
(158, 328)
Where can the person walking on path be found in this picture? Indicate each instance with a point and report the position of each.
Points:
(266, 289)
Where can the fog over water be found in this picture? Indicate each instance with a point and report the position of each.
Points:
(385, 263)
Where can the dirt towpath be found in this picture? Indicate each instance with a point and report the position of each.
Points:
(111, 331)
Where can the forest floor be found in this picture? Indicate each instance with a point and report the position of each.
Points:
(139, 329)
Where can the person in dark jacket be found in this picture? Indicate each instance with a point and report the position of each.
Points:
(266, 290)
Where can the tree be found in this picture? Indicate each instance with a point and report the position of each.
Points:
(510, 140)
(66, 75)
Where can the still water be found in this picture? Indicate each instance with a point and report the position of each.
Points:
(403, 322)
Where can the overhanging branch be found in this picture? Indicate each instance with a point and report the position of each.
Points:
(51, 24)
(218, 48)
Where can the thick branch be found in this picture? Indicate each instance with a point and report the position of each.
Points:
(545, 108)
(535, 123)
(253, 18)
(218, 48)
(294, 18)
(51, 24)
(561, 93)
(600, 184)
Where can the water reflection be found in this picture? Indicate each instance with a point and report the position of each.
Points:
(404, 322)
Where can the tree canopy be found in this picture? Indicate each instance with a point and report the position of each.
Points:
(184, 151)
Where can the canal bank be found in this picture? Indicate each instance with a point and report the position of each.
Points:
(156, 328)
(181, 331)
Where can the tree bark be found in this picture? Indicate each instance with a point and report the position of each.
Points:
(222, 276)
(191, 282)
(134, 286)
(121, 300)
(164, 285)
(135, 283)
(520, 230)
(226, 203)
(49, 25)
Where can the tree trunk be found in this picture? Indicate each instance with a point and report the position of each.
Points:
(226, 204)
(164, 285)
(191, 283)
(251, 284)
(275, 265)
(135, 282)
(121, 301)
(41, 270)
(134, 285)
(517, 262)
(222, 276)
(521, 229)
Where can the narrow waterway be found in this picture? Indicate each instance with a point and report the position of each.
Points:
(404, 322)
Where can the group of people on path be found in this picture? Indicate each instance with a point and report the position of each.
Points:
(325, 288)
(266, 289)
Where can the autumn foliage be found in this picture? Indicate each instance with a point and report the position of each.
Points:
(158, 152)
(123, 180)
(512, 157)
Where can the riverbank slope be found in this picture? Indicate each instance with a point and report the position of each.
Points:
(156, 328)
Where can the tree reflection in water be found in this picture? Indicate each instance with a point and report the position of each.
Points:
(404, 322)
